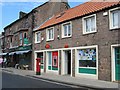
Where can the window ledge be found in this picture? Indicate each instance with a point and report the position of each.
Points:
(66, 37)
(116, 28)
(50, 40)
(85, 33)
(89, 67)
(37, 42)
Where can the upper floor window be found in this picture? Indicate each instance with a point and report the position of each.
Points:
(89, 24)
(66, 30)
(37, 37)
(25, 35)
(114, 14)
(20, 38)
(50, 34)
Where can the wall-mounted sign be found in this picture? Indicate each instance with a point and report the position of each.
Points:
(66, 46)
(47, 46)
(55, 59)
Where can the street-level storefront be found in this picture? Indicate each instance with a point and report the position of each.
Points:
(115, 53)
(52, 61)
(41, 56)
(84, 62)
(87, 62)
(21, 56)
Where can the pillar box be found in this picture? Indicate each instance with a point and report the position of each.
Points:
(38, 66)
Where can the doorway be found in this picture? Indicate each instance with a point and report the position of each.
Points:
(67, 55)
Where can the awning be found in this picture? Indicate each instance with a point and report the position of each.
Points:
(1, 54)
(21, 52)
(12, 53)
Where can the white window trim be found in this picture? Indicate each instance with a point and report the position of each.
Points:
(83, 23)
(77, 63)
(35, 56)
(51, 71)
(62, 31)
(113, 61)
(36, 37)
(47, 39)
(110, 20)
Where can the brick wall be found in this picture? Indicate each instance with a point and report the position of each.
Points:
(104, 38)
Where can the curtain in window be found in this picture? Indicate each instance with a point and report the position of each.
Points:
(93, 24)
(65, 30)
(115, 18)
(69, 30)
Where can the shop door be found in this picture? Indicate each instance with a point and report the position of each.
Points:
(40, 55)
(117, 64)
(68, 62)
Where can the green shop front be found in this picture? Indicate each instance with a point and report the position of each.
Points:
(87, 62)
(21, 56)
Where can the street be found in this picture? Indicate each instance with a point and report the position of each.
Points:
(10, 80)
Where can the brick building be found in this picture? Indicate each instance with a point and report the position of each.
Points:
(81, 42)
(18, 35)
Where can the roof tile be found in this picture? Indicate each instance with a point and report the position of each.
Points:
(83, 9)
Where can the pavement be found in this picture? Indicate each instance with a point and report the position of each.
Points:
(84, 82)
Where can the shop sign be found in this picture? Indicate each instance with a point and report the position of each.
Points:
(55, 59)
(47, 46)
(26, 41)
(25, 48)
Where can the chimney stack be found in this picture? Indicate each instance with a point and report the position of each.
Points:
(22, 14)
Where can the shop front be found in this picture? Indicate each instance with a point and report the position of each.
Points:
(115, 57)
(21, 57)
(52, 62)
(87, 62)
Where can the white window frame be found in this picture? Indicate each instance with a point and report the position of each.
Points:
(110, 20)
(36, 37)
(21, 38)
(84, 24)
(67, 31)
(47, 35)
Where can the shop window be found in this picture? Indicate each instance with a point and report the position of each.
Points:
(87, 57)
(114, 14)
(53, 60)
(66, 30)
(50, 58)
(89, 24)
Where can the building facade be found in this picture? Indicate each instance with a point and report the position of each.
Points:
(19, 36)
(81, 42)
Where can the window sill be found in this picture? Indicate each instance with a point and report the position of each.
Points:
(89, 67)
(37, 42)
(85, 33)
(50, 40)
(66, 37)
(116, 28)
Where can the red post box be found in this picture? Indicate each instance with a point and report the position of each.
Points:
(38, 66)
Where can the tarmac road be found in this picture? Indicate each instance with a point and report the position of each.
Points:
(10, 80)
